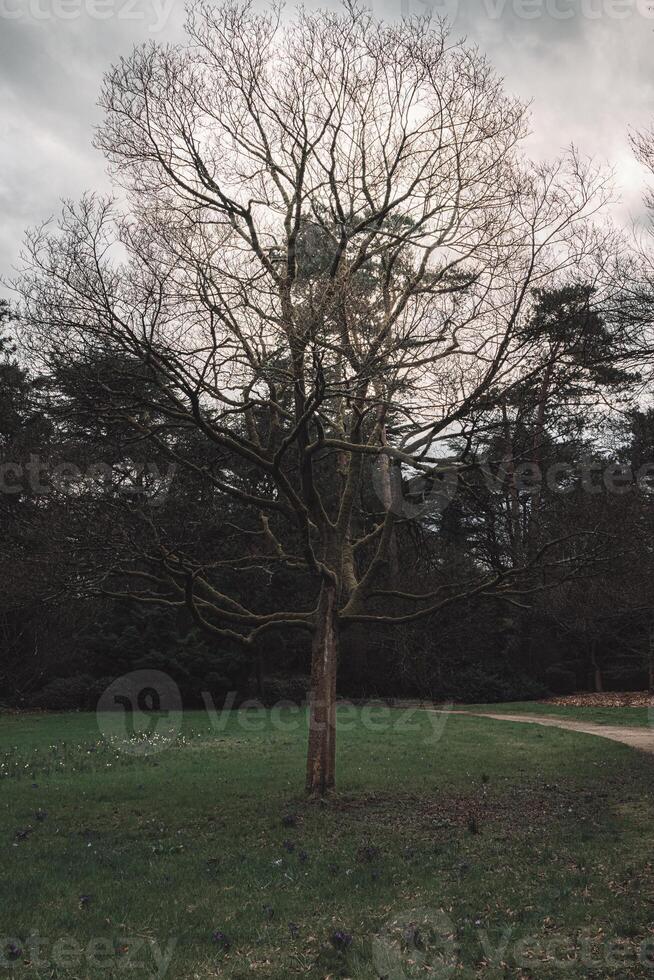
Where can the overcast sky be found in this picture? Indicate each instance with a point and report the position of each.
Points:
(586, 65)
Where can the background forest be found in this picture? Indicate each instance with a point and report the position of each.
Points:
(80, 497)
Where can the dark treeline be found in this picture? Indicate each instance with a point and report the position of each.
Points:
(565, 453)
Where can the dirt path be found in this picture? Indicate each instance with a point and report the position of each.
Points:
(637, 738)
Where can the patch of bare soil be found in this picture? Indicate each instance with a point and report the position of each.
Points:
(610, 699)
(519, 810)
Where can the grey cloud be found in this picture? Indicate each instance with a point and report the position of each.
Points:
(589, 77)
(50, 75)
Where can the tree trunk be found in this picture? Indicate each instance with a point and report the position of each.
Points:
(389, 491)
(597, 671)
(261, 683)
(651, 660)
(321, 755)
(389, 499)
(514, 518)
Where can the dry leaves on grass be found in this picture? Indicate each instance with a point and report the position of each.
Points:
(609, 699)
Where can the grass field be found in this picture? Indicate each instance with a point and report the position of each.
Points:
(455, 847)
(638, 717)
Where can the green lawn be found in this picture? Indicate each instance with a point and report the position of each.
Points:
(455, 847)
(638, 717)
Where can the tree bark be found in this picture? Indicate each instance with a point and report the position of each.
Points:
(321, 755)
(389, 495)
(597, 671)
(261, 683)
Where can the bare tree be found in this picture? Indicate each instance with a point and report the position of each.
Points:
(642, 143)
(330, 226)
(633, 277)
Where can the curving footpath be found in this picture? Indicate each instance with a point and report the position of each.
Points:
(637, 738)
